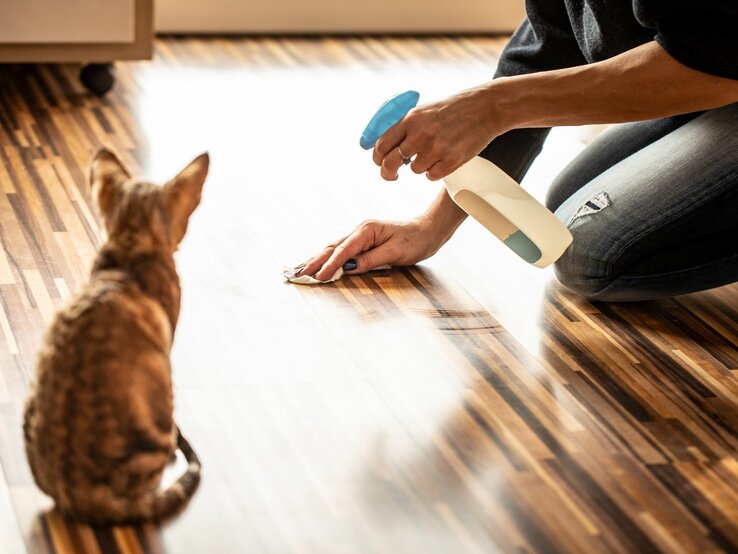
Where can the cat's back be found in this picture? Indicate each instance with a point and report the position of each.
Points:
(110, 318)
(109, 342)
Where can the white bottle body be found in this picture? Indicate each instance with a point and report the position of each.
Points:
(503, 207)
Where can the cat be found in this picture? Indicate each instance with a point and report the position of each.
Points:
(98, 425)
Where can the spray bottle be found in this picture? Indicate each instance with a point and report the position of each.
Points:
(488, 194)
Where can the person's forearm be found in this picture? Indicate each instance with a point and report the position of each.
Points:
(643, 83)
(445, 216)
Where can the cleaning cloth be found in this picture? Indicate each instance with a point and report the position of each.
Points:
(291, 274)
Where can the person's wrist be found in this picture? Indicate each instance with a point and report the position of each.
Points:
(497, 111)
(433, 233)
(440, 224)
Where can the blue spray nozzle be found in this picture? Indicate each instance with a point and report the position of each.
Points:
(389, 113)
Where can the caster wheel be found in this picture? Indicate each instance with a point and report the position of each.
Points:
(98, 78)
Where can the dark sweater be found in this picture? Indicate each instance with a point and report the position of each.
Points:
(702, 34)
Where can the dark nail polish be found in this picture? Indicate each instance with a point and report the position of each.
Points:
(350, 265)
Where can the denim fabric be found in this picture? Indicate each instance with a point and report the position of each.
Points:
(671, 225)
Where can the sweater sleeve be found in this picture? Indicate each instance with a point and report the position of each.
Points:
(544, 41)
(700, 34)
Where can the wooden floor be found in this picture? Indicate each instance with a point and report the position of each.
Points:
(467, 405)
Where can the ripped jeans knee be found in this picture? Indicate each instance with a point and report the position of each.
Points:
(586, 267)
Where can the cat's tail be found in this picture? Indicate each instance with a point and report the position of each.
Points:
(161, 505)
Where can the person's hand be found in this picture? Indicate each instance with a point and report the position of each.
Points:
(441, 136)
(376, 243)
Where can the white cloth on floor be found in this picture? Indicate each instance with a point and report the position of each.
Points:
(291, 275)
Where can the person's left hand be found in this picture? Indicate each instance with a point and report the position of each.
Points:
(441, 136)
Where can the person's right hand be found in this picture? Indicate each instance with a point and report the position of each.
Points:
(376, 243)
(442, 136)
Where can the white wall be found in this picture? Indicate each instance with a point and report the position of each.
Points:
(337, 16)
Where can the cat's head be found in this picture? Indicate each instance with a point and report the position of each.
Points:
(140, 216)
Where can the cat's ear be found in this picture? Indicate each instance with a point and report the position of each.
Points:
(182, 195)
(107, 175)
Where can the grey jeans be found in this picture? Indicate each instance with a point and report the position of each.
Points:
(653, 208)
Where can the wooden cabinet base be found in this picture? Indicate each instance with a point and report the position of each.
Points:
(140, 48)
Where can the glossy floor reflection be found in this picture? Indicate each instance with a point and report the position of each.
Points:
(466, 405)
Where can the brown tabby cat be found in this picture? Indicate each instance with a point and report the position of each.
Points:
(99, 426)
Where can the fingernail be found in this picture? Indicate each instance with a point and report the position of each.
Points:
(299, 268)
(350, 265)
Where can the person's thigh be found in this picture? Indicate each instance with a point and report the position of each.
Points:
(662, 221)
(610, 148)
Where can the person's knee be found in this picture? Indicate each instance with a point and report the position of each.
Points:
(572, 271)
(585, 268)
